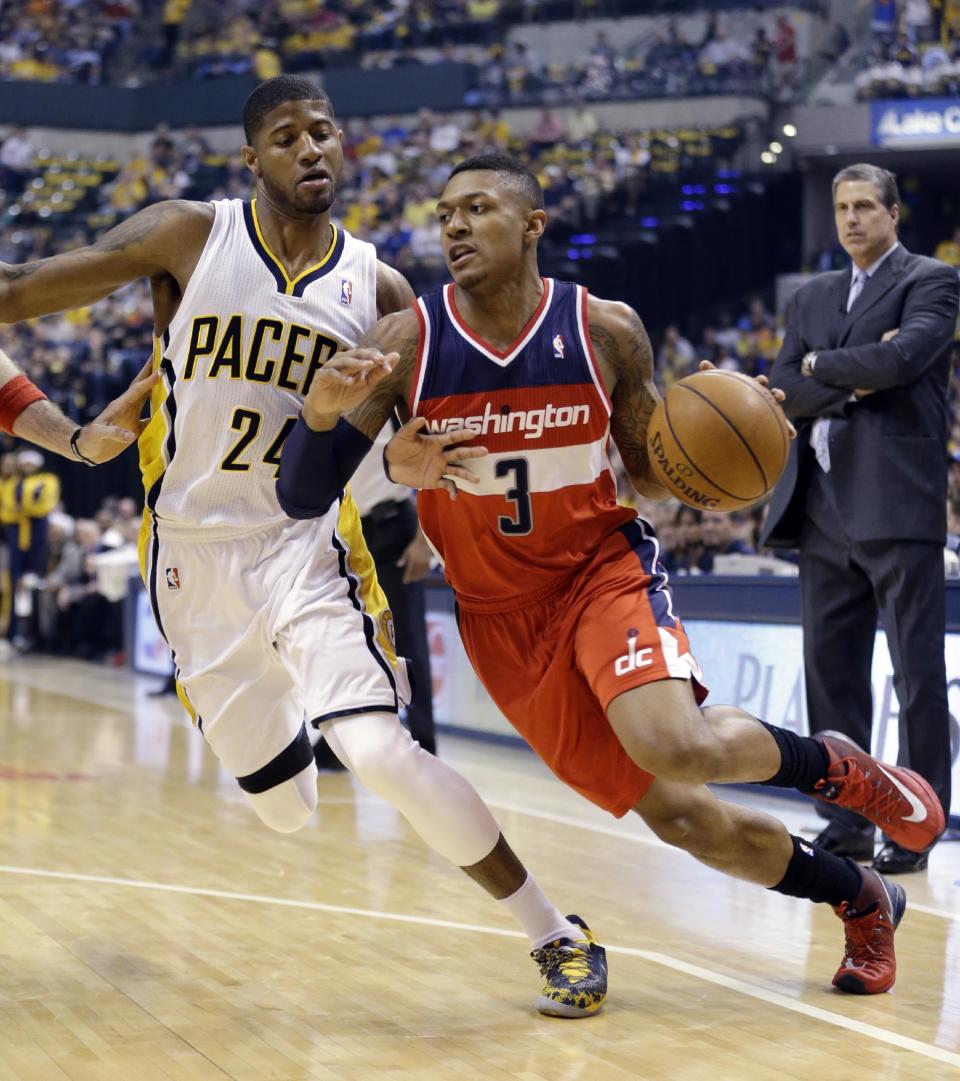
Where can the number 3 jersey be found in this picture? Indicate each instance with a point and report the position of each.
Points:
(547, 494)
(236, 362)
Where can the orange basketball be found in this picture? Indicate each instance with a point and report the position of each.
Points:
(718, 440)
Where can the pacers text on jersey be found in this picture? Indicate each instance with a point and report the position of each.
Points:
(257, 350)
(531, 422)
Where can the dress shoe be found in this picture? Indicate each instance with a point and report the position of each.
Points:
(857, 844)
(894, 860)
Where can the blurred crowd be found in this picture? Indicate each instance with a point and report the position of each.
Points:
(759, 55)
(392, 172)
(130, 42)
(914, 50)
(62, 580)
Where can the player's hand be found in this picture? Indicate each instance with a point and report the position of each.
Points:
(343, 383)
(775, 392)
(890, 334)
(416, 558)
(419, 460)
(119, 424)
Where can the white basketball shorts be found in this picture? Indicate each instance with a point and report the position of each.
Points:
(270, 628)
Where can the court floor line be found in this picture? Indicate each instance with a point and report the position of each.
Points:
(731, 983)
(32, 679)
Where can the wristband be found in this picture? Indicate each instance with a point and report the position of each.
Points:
(78, 454)
(15, 395)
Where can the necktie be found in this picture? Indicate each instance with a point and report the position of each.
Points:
(856, 287)
(820, 433)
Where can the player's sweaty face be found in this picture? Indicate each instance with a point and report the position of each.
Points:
(300, 156)
(481, 228)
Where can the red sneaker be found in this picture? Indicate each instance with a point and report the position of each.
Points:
(869, 965)
(896, 799)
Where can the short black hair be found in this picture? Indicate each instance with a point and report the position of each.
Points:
(882, 179)
(521, 177)
(274, 92)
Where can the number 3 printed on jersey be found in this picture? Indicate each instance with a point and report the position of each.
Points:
(521, 521)
(248, 422)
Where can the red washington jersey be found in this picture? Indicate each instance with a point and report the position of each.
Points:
(547, 496)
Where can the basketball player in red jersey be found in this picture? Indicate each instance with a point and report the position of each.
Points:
(564, 609)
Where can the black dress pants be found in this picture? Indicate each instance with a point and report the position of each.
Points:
(844, 586)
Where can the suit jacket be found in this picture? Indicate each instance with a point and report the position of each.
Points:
(888, 462)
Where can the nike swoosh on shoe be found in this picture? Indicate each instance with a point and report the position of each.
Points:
(919, 811)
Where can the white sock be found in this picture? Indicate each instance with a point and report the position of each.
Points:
(540, 919)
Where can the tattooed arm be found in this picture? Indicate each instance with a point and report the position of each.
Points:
(165, 238)
(359, 384)
(396, 332)
(625, 358)
(324, 448)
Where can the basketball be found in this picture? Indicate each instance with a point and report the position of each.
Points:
(718, 440)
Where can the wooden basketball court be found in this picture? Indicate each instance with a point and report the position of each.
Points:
(152, 930)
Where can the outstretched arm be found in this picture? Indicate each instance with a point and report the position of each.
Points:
(625, 357)
(165, 238)
(27, 413)
(323, 450)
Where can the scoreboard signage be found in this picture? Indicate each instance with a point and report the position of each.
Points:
(923, 122)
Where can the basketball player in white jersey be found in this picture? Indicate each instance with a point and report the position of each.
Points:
(268, 619)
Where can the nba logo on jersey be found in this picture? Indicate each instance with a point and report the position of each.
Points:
(346, 291)
(558, 346)
(173, 578)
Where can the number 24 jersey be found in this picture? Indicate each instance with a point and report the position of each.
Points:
(236, 362)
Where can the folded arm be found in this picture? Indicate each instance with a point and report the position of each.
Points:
(803, 397)
(927, 324)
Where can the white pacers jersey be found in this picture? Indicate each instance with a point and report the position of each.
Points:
(237, 360)
(267, 619)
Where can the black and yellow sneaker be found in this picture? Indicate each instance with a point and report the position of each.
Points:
(574, 975)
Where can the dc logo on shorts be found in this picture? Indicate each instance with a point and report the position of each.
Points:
(634, 658)
(346, 291)
(173, 578)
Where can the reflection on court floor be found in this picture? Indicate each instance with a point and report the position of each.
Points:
(151, 928)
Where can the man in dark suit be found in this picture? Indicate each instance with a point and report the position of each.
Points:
(864, 366)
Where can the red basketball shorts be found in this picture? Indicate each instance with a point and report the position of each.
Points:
(553, 665)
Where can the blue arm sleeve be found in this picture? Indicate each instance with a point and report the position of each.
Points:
(314, 467)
